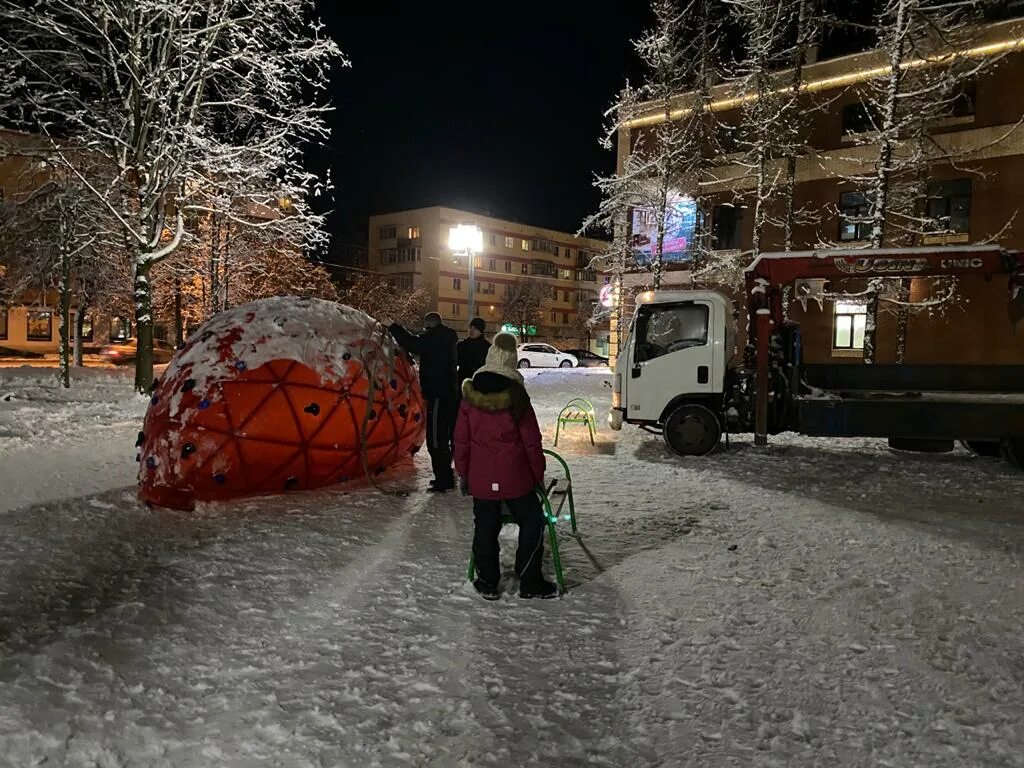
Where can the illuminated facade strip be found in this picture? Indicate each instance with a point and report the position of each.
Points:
(841, 81)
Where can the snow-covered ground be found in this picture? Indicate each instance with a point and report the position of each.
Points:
(817, 603)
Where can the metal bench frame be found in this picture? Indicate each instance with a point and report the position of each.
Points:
(577, 411)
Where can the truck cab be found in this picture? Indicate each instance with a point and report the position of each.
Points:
(672, 368)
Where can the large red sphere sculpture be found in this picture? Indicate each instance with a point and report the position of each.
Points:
(278, 395)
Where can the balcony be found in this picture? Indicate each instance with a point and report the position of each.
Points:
(543, 269)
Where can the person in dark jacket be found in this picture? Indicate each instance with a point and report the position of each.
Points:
(435, 349)
(498, 454)
(472, 351)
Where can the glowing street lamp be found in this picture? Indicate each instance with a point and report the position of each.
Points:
(468, 239)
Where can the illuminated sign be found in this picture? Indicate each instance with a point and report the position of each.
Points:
(517, 330)
(680, 224)
(607, 296)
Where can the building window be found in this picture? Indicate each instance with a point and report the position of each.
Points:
(525, 244)
(964, 102)
(40, 326)
(565, 318)
(457, 283)
(568, 253)
(456, 310)
(565, 274)
(388, 233)
(414, 233)
(510, 242)
(419, 253)
(3, 323)
(949, 206)
(728, 227)
(490, 289)
(853, 217)
(491, 265)
(850, 322)
(494, 239)
(120, 329)
(87, 328)
(526, 269)
(858, 118)
(565, 296)
(478, 262)
(554, 316)
(403, 281)
(508, 266)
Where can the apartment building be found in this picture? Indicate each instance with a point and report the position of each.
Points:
(411, 248)
(978, 198)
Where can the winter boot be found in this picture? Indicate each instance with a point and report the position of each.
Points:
(543, 590)
(487, 591)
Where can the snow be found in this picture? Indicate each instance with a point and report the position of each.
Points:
(815, 603)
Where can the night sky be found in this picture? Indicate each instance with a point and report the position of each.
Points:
(446, 105)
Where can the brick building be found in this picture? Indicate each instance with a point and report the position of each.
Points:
(979, 197)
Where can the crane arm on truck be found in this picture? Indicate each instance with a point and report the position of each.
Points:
(771, 272)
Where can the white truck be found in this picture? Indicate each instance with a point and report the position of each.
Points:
(676, 375)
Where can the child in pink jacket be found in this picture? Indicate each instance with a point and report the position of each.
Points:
(498, 453)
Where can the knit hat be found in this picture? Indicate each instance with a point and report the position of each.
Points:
(502, 358)
(478, 323)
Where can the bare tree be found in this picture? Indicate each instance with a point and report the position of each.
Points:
(378, 297)
(194, 105)
(524, 305)
(51, 233)
(926, 80)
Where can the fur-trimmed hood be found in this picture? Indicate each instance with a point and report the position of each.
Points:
(487, 401)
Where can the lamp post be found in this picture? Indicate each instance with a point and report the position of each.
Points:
(468, 239)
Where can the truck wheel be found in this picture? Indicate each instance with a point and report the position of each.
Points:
(692, 430)
(1013, 451)
(989, 449)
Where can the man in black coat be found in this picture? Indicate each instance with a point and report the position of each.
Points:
(472, 351)
(435, 348)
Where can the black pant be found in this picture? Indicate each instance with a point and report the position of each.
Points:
(529, 516)
(440, 430)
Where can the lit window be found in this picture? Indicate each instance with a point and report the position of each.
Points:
(525, 245)
(414, 233)
(40, 326)
(850, 322)
(87, 328)
(526, 269)
(510, 242)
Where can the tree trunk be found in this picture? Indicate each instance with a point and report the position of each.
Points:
(83, 305)
(143, 328)
(179, 322)
(64, 290)
(883, 165)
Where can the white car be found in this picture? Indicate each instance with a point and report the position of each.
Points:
(545, 356)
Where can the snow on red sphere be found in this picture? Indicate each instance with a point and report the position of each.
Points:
(282, 394)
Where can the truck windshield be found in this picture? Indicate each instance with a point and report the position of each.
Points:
(664, 330)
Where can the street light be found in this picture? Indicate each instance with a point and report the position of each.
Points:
(468, 239)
